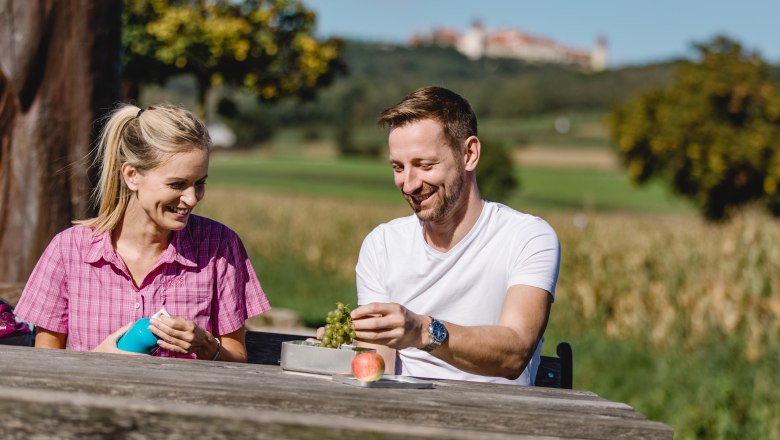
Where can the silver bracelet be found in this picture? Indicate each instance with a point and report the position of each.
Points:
(219, 347)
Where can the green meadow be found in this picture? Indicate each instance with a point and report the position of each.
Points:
(371, 179)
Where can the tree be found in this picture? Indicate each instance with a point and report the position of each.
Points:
(59, 72)
(713, 132)
(265, 46)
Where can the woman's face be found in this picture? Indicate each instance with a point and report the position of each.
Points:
(167, 194)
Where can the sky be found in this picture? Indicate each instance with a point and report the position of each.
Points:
(637, 32)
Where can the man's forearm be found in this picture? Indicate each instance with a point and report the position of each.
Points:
(497, 351)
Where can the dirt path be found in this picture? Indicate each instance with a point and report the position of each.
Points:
(567, 157)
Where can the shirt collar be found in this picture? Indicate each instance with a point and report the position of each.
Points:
(181, 249)
(101, 248)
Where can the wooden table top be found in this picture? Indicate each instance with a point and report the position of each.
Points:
(91, 395)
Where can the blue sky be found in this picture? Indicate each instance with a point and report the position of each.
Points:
(636, 31)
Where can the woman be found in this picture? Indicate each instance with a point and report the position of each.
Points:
(146, 251)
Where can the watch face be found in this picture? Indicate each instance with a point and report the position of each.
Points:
(438, 331)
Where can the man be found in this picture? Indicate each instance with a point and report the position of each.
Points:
(462, 289)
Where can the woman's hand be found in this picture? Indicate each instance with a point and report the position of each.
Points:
(182, 336)
(109, 344)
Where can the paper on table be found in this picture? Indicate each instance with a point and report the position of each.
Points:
(387, 381)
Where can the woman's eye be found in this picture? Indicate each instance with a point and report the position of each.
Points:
(177, 185)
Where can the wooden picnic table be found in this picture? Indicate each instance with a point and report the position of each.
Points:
(66, 394)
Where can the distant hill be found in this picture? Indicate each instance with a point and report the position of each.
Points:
(380, 75)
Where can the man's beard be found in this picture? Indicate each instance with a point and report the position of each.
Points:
(442, 207)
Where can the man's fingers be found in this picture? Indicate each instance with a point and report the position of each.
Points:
(371, 309)
(389, 337)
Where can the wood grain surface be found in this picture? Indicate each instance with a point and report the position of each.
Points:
(89, 395)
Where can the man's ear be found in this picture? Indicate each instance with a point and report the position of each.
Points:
(130, 175)
(472, 150)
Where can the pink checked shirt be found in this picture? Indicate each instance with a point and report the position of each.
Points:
(80, 286)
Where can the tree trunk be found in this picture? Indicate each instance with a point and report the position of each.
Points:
(59, 72)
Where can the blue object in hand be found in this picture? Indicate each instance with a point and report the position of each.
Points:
(139, 339)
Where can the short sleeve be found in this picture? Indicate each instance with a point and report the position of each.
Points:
(368, 273)
(44, 300)
(239, 293)
(538, 258)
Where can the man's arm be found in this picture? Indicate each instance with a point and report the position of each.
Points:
(505, 349)
(502, 350)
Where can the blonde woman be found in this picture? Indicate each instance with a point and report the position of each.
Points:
(146, 250)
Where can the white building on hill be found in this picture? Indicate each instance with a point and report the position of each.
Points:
(478, 43)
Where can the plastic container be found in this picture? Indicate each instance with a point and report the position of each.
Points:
(139, 339)
(309, 357)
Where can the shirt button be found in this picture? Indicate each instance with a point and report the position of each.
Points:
(137, 305)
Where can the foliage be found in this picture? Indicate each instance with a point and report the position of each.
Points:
(265, 46)
(713, 133)
(495, 173)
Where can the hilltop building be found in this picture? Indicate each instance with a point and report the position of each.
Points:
(477, 43)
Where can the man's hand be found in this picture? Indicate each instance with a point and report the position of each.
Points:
(183, 336)
(109, 344)
(390, 324)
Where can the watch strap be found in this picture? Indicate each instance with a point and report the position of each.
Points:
(435, 343)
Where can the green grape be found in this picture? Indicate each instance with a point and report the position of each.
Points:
(339, 327)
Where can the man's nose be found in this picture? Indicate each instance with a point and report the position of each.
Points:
(411, 182)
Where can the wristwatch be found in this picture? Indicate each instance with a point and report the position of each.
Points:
(437, 332)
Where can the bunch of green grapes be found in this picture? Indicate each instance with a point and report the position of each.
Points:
(338, 327)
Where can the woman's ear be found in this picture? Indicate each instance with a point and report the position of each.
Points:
(130, 176)
(471, 154)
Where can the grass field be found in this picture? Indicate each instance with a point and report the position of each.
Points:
(371, 179)
(678, 318)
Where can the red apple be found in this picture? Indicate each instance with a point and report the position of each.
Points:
(368, 367)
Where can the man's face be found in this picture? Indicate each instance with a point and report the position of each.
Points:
(425, 169)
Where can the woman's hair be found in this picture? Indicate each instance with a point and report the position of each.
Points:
(142, 138)
(451, 110)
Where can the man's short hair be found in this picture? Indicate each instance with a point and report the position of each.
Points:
(451, 110)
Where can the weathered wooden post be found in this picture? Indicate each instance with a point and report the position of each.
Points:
(59, 71)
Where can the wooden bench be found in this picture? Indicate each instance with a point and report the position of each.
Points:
(266, 348)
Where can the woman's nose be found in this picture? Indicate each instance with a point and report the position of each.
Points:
(189, 196)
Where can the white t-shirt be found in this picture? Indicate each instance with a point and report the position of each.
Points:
(466, 285)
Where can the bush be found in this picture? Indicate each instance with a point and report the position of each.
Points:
(495, 172)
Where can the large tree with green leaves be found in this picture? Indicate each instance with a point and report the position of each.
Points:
(713, 132)
(265, 46)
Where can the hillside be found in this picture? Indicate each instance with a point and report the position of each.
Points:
(379, 75)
